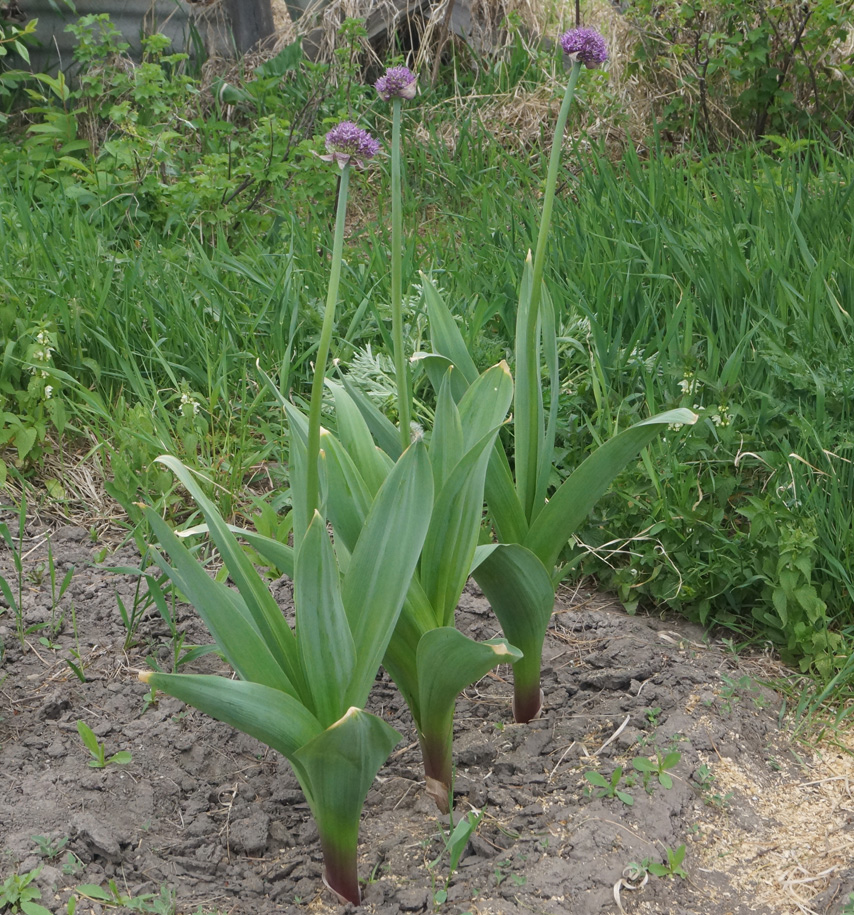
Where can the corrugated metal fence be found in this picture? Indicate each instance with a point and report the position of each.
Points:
(133, 18)
(226, 27)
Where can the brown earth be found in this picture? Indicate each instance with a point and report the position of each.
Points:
(216, 817)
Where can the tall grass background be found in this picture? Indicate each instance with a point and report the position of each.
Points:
(717, 280)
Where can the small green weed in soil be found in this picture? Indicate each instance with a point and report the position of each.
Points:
(99, 758)
(609, 787)
(17, 894)
(673, 867)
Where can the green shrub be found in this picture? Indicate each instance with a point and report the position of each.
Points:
(749, 67)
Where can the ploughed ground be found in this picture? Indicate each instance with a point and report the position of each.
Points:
(216, 818)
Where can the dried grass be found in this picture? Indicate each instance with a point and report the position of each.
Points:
(425, 22)
(803, 835)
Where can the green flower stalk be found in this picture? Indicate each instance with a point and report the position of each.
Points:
(397, 84)
(302, 691)
(345, 144)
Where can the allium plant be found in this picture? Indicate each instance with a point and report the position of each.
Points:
(428, 658)
(302, 691)
(520, 572)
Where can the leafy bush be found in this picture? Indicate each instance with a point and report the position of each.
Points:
(752, 67)
(14, 39)
(147, 145)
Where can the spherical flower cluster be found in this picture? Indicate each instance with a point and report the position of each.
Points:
(398, 82)
(347, 143)
(586, 46)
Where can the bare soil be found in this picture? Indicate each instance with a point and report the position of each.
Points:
(768, 824)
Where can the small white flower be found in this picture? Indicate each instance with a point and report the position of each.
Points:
(48, 391)
(721, 418)
(187, 399)
(688, 383)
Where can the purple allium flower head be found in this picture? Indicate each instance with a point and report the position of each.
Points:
(398, 82)
(585, 45)
(347, 143)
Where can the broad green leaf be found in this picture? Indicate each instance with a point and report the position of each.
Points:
(8, 596)
(446, 441)
(520, 591)
(485, 404)
(444, 334)
(448, 662)
(453, 533)
(269, 715)
(545, 459)
(298, 470)
(349, 498)
(25, 439)
(384, 561)
(90, 741)
(223, 611)
(383, 430)
(416, 618)
(336, 770)
(574, 499)
(265, 611)
(279, 554)
(437, 367)
(417, 605)
(323, 634)
(400, 658)
(459, 838)
(505, 509)
(33, 908)
(355, 436)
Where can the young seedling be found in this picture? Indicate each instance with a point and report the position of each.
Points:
(503, 872)
(112, 897)
(57, 590)
(50, 848)
(455, 843)
(704, 780)
(608, 788)
(17, 894)
(658, 767)
(652, 714)
(673, 868)
(99, 758)
(15, 599)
